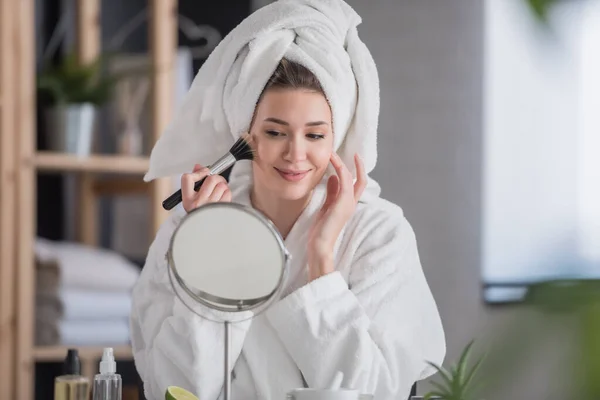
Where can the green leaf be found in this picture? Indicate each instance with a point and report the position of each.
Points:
(466, 384)
(72, 82)
(539, 8)
(429, 395)
(589, 351)
(464, 358)
(455, 387)
(445, 374)
(50, 86)
(441, 388)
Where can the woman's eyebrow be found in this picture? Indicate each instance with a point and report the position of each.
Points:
(317, 123)
(277, 121)
(282, 122)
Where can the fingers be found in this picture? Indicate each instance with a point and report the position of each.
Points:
(361, 177)
(226, 196)
(188, 181)
(333, 187)
(214, 188)
(208, 187)
(347, 186)
(218, 192)
(345, 178)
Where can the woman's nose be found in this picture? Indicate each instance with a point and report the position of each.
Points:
(296, 150)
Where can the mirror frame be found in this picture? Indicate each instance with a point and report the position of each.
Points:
(216, 302)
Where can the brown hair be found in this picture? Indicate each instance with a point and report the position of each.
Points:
(291, 75)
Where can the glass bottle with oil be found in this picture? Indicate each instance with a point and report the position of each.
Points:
(71, 385)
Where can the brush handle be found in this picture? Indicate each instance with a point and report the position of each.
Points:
(217, 168)
(170, 202)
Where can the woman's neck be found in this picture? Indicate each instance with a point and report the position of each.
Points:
(283, 213)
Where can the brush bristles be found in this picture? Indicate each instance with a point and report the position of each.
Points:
(242, 148)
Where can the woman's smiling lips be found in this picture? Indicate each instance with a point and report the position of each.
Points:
(292, 175)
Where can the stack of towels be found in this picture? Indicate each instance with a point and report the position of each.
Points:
(83, 294)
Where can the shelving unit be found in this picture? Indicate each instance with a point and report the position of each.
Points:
(20, 162)
(50, 161)
(89, 356)
(53, 353)
(7, 200)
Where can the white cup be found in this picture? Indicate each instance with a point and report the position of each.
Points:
(323, 394)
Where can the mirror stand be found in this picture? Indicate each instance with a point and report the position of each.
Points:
(227, 361)
(250, 278)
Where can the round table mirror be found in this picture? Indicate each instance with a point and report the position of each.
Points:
(227, 263)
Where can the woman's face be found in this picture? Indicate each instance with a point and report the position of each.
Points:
(293, 140)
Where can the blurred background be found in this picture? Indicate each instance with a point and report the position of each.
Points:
(489, 140)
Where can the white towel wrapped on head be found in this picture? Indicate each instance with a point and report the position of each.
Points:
(319, 34)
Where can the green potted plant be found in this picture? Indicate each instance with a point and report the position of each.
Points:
(71, 93)
(458, 383)
(541, 8)
(571, 307)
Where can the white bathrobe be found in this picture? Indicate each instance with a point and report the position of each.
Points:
(374, 318)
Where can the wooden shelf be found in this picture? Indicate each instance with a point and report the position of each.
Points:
(58, 353)
(100, 163)
(94, 176)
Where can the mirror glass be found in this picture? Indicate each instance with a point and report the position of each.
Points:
(226, 254)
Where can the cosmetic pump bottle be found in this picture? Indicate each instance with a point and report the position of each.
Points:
(71, 385)
(107, 384)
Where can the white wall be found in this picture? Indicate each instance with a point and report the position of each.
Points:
(589, 161)
(530, 222)
(431, 58)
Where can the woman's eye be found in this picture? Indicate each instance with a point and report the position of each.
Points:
(272, 133)
(315, 136)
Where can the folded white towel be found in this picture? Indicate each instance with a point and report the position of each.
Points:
(76, 304)
(74, 265)
(321, 35)
(82, 333)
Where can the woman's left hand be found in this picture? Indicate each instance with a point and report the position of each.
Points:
(342, 196)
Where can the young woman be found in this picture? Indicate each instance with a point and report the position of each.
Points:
(357, 302)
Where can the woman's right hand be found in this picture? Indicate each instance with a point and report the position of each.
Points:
(214, 189)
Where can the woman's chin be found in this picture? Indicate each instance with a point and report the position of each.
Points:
(294, 196)
(293, 192)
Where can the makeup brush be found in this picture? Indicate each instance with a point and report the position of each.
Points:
(241, 150)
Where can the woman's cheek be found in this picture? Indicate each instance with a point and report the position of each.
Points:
(322, 157)
(264, 150)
